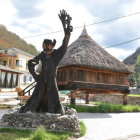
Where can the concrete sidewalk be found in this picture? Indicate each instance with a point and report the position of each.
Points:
(4, 95)
(111, 126)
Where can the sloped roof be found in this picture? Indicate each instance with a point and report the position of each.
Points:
(20, 51)
(87, 53)
(9, 69)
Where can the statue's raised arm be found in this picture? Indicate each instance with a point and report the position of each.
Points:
(65, 19)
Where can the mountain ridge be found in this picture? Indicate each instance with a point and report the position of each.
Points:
(9, 39)
(133, 61)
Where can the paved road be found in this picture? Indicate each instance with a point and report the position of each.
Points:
(109, 126)
(116, 126)
(2, 112)
(4, 95)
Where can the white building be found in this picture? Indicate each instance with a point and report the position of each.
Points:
(18, 60)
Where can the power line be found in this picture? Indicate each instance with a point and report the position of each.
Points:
(123, 42)
(109, 20)
(86, 25)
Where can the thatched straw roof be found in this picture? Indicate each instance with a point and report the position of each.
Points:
(87, 53)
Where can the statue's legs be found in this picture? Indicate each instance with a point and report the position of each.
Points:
(44, 100)
(54, 102)
(33, 102)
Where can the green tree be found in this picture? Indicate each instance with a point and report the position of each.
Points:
(137, 77)
(138, 60)
(31, 45)
(132, 80)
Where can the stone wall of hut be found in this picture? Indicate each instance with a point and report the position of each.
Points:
(114, 99)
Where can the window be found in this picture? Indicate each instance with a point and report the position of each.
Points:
(14, 80)
(4, 63)
(18, 62)
(3, 75)
(8, 80)
(6, 51)
(30, 78)
(24, 79)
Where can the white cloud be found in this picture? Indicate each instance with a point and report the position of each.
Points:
(7, 12)
(50, 18)
(119, 53)
(105, 34)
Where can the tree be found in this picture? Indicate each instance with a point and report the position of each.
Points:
(3, 27)
(132, 80)
(137, 77)
(31, 45)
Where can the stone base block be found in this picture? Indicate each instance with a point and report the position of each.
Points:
(32, 120)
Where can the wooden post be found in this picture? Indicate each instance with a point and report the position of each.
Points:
(124, 99)
(18, 80)
(87, 101)
(0, 78)
(11, 81)
(29, 93)
(12, 62)
(5, 80)
(67, 77)
(73, 97)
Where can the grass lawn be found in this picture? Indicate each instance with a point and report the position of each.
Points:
(106, 108)
(39, 134)
(2, 106)
(135, 95)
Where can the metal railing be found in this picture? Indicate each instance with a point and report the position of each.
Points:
(28, 91)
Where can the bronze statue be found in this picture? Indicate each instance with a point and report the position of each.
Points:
(45, 96)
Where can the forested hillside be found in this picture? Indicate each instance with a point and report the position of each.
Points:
(9, 39)
(133, 60)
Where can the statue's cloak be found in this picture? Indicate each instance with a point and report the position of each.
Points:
(45, 96)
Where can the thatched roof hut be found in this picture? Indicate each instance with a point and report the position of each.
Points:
(86, 52)
(88, 67)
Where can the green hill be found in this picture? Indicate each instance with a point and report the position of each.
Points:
(133, 60)
(9, 39)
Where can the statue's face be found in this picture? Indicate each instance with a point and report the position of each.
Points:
(48, 48)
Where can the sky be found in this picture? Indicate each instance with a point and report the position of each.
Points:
(35, 21)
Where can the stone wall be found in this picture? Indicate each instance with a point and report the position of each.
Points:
(135, 91)
(29, 120)
(114, 99)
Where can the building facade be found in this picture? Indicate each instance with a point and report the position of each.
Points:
(17, 60)
(9, 78)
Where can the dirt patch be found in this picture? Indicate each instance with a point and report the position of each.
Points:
(9, 99)
(1, 102)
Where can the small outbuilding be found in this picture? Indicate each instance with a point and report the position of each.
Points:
(88, 67)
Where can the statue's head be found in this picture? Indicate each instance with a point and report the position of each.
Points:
(48, 45)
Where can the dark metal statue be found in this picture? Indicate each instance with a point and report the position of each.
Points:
(45, 96)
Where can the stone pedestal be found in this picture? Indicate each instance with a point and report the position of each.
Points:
(32, 120)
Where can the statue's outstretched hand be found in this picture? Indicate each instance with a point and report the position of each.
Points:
(65, 19)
